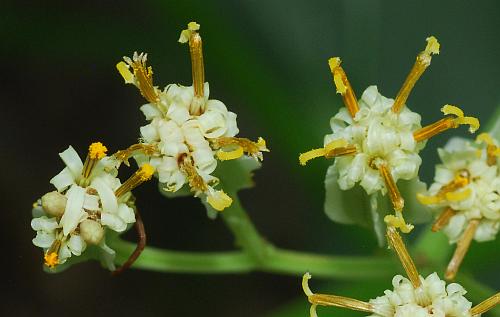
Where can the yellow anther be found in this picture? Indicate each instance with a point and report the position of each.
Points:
(428, 200)
(219, 200)
(432, 45)
(399, 247)
(230, 155)
(492, 150)
(458, 196)
(146, 149)
(343, 86)
(97, 151)
(51, 259)
(335, 148)
(124, 70)
(305, 284)
(461, 119)
(398, 222)
(144, 173)
(242, 145)
(423, 61)
(485, 138)
(186, 34)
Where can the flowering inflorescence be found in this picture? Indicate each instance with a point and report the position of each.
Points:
(414, 296)
(376, 140)
(89, 200)
(187, 132)
(466, 193)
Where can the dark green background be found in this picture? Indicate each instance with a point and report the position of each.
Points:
(267, 60)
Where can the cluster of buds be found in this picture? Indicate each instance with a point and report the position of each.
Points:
(376, 140)
(466, 194)
(89, 200)
(412, 296)
(187, 132)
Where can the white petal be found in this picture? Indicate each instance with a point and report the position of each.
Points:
(72, 161)
(62, 180)
(73, 213)
(106, 194)
(44, 224)
(91, 202)
(76, 244)
(232, 126)
(44, 239)
(113, 222)
(126, 213)
(178, 113)
(150, 111)
(149, 133)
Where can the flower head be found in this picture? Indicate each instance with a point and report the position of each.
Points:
(465, 193)
(376, 140)
(89, 199)
(187, 132)
(414, 296)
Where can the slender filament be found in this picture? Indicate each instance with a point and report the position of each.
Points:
(343, 86)
(485, 305)
(340, 301)
(462, 248)
(434, 129)
(398, 245)
(443, 219)
(394, 194)
(197, 67)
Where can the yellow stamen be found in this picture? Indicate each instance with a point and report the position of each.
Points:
(397, 221)
(195, 181)
(343, 86)
(243, 145)
(124, 70)
(462, 248)
(443, 219)
(446, 123)
(144, 173)
(143, 76)
(219, 200)
(230, 155)
(394, 194)
(462, 179)
(458, 196)
(492, 151)
(335, 148)
(51, 259)
(423, 61)
(485, 305)
(147, 149)
(332, 300)
(96, 152)
(398, 245)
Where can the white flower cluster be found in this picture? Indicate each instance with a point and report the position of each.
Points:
(178, 134)
(81, 209)
(478, 197)
(381, 136)
(433, 298)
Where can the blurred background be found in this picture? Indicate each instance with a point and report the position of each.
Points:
(267, 61)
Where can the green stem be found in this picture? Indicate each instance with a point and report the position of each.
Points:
(246, 235)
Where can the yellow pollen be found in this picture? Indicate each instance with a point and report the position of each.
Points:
(335, 148)
(492, 151)
(147, 149)
(447, 192)
(127, 75)
(97, 151)
(219, 200)
(423, 61)
(458, 196)
(51, 259)
(230, 155)
(398, 222)
(461, 119)
(195, 181)
(146, 171)
(343, 86)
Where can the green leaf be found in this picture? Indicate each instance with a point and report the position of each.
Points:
(354, 206)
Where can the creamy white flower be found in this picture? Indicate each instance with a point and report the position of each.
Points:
(89, 192)
(432, 298)
(378, 134)
(468, 185)
(188, 130)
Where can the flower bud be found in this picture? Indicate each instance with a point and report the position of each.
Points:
(54, 203)
(91, 231)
